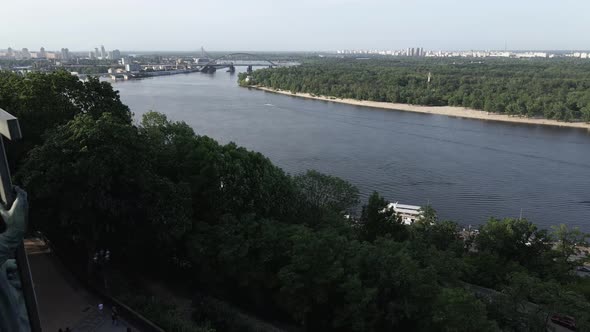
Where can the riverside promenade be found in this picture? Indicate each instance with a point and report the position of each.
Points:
(62, 301)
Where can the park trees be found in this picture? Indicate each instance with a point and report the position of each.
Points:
(320, 193)
(379, 220)
(513, 239)
(502, 86)
(42, 102)
(455, 309)
(90, 189)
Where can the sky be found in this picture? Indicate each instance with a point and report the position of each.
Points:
(295, 25)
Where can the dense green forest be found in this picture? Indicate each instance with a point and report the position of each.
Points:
(180, 207)
(550, 88)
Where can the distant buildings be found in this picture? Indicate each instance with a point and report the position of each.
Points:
(132, 67)
(65, 54)
(410, 51)
(115, 55)
(582, 55)
(103, 54)
(25, 54)
(420, 52)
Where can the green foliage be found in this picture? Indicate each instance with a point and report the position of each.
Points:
(378, 220)
(326, 192)
(85, 183)
(569, 242)
(427, 215)
(85, 154)
(554, 89)
(526, 303)
(581, 286)
(225, 317)
(442, 235)
(166, 316)
(44, 101)
(513, 239)
(323, 199)
(458, 310)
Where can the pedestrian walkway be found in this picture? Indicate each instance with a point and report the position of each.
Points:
(62, 301)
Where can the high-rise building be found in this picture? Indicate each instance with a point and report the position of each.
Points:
(103, 53)
(116, 55)
(96, 54)
(42, 54)
(10, 52)
(65, 54)
(91, 55)
(25, 54)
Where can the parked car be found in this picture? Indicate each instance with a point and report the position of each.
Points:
(565, 321)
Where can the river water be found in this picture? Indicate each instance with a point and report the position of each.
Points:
(468, 170)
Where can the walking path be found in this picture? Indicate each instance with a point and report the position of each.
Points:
(62, 301)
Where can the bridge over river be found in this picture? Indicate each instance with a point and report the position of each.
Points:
(231, 61)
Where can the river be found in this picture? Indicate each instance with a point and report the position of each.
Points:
(468, 170)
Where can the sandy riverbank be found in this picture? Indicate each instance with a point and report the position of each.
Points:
(442, 110)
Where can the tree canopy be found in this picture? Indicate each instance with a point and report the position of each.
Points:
(548, 88)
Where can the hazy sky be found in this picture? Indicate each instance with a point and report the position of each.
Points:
(296, 25)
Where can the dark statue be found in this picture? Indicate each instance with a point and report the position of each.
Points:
(13, 310)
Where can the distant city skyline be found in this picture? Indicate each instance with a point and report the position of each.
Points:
(305, 25)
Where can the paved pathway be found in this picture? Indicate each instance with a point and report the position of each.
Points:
(62, 301)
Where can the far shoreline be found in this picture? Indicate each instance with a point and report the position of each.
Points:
(451, 111)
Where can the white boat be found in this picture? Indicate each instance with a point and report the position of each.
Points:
(408, 213)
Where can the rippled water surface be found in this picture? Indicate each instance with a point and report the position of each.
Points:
(468, 170)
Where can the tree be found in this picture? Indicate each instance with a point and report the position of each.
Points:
(529, 302)
(323, 191)
(379, 220)
(427, 215)
(586, 113)
(569, 243)
(503, 85)
(442, 235)
(457, 310)
(513, 239)
(91, 184)
(43, 101)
